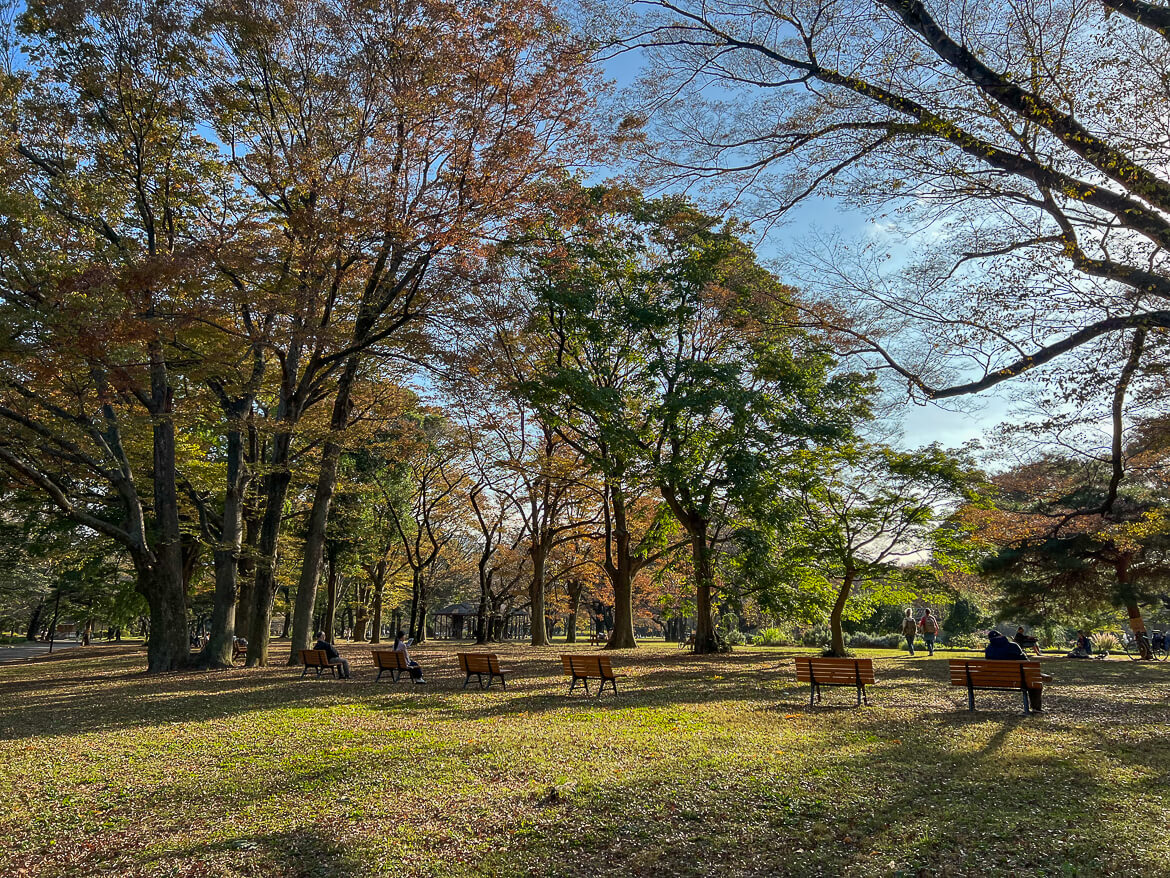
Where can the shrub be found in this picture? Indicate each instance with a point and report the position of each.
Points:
(735, 637)
(966, 641)
(865, 640)
(1105, 642)
(770, 637)
(817, 635)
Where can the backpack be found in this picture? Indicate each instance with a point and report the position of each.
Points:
(908, 627)
(929, 625)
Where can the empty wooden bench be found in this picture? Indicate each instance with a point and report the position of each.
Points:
(820, 671)
(480, 665)
(319, 659)
(597, 638)
(582, 667)
(996, 674)
(389, 660)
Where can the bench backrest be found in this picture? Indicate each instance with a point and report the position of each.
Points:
(995, 673)
(834, 671)
(315, 658)
(588, 666)
(389, 659)
(478, 662)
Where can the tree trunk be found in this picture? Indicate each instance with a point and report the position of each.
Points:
(264, 591)
(575, 588)
(621, 572)
(1138, 626)
(705, 641)
(218, 652)
(539, 554)
(837, 646)
(319, 514)
(168, 648)
(34, 621)
(379, 587)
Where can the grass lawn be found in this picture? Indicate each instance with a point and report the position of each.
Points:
(700, 766)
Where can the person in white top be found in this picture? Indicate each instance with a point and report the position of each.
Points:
(413, 667)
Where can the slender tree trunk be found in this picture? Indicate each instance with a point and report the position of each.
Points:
(264, 591)
(837, 645)
(379, 587)
(218, 652)
(575, 587)
(319, 514)
(538, 552)
(621, 573)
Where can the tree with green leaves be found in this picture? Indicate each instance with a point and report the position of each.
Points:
(867, 524)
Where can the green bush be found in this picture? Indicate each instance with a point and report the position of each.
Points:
(1103, 641)
(817, 635)
(770, 637)
(966, 641)
(735, 637)
(865, 640)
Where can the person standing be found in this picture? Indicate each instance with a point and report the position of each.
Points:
(929, 626)
(909, 629)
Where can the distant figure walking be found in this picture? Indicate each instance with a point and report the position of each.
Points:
(929, 626)
(334, 656)
(412, 666)
(909, 629)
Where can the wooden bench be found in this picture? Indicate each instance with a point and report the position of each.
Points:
(480, 665)
(999, 674)
(239, 650)
(319, 659)
(822, 671)
(597, 639)
(582, 667)
(389, 660)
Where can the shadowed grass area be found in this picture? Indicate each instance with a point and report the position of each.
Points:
(700, 766)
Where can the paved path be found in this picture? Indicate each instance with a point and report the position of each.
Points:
(32, 650)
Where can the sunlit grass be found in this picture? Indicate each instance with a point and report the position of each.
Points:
(700, 766)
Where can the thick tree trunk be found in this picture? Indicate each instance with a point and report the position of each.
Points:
(575, 588)
(34, 622)
(539, 555)
(705, 641)
(379, 588)
(168, 646)
(264, 591)
(837, 645)
(218, 652)
(1138, 626)
(319, 514)
(621, 572)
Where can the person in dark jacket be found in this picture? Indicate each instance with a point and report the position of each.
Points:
(999, 648)
(1027, 641)
(334, 656)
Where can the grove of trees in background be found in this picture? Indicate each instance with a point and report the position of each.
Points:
(313, 310)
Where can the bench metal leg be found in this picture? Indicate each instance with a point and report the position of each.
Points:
(1027, 704)
(380, 672)
(468, 680)
(971, 699)
(305, 671)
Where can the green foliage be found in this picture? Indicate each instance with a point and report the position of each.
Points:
(964, 617)
(771, 637)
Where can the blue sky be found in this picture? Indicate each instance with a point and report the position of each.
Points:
(921, 424)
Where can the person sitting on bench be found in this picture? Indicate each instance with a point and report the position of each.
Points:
(412, 666)
(334, 656)
(1027, 641)
(1000, 648)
